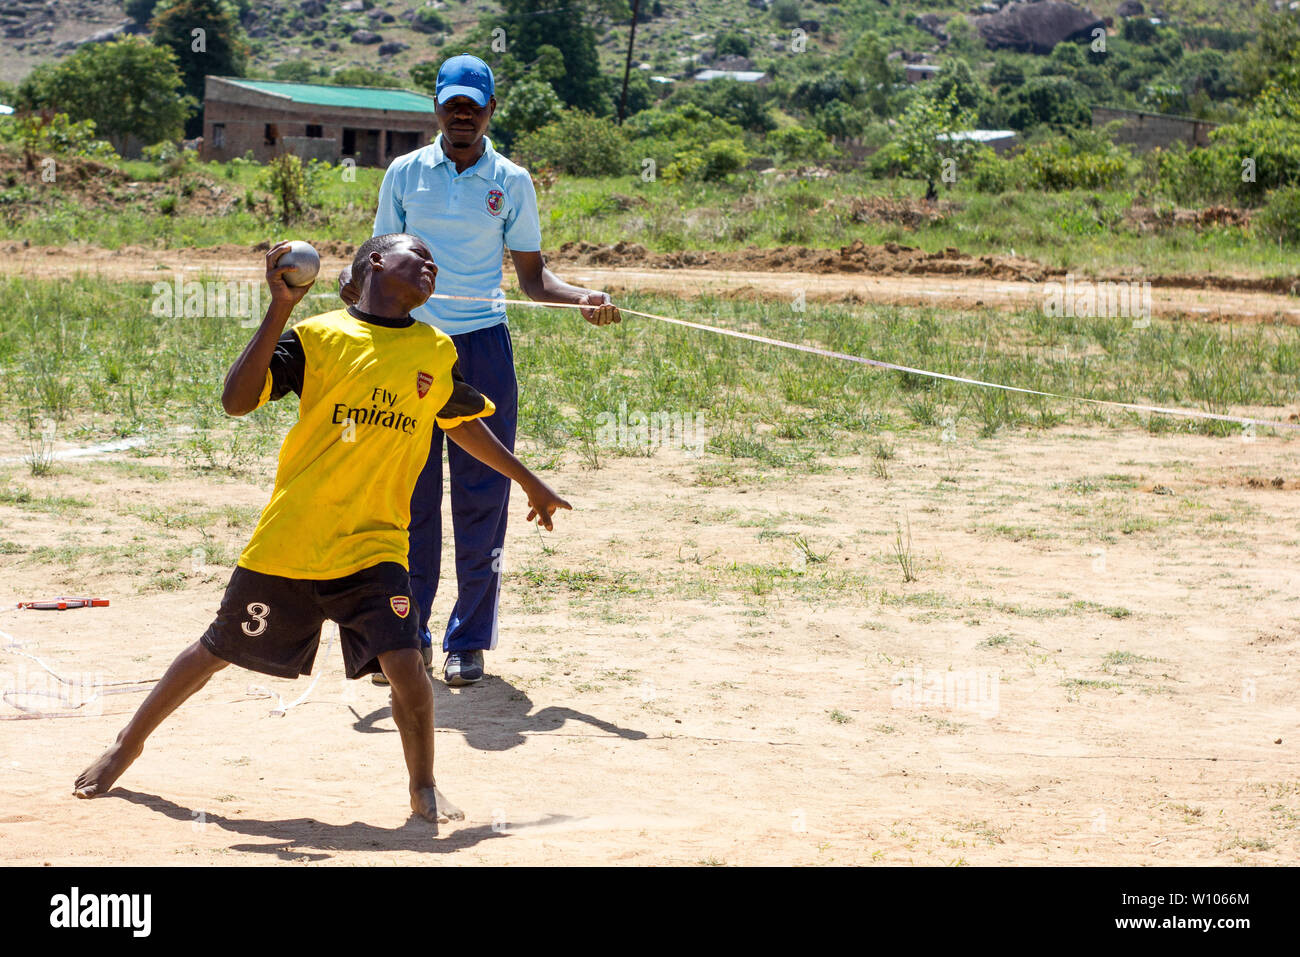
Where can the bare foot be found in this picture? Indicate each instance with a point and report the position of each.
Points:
(432, 806)
(104, 772)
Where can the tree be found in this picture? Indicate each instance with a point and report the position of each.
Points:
(744, 104)
(578, 144)
(1007, 73)
(731, 44)
(814, 92)
(1274, 58)
(298, 71)
(566, 25)
(128, 87)
(872, 72)
(956, 78)
(1051, 100)
(532, 104)
(786, 12)
(207, 40)
(924, 147)
(838, 118)
(140, 11)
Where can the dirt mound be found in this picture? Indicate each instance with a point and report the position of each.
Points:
(1144, 218)
(891, 259)
(85, 175)
(94, 185)
(905, 211)
(1284, 285)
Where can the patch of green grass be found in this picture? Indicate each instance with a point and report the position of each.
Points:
(1119, 659)
(1248, 844)
(1114, 611)
(54, 504)
(89, 354)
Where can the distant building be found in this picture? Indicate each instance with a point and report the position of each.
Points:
(5, 110)
(916, 72)
(370, 125)
(740, 76)
(1146, 131)
(1000, 140)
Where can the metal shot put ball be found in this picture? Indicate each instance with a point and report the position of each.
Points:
(304, 260)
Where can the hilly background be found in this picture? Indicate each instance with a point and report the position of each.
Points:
(672, 35)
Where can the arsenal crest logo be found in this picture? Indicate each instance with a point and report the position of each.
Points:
(495, 200)
(422, 382)
(401, 605)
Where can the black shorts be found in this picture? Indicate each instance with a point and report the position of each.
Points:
(272, 625)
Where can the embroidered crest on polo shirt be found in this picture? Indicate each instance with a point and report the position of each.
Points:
(422, 382)
(495, 200)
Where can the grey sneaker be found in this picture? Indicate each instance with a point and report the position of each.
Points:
(426, 651)
(463, 668)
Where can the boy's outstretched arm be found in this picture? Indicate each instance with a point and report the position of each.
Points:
(247, 375)
(476, 439)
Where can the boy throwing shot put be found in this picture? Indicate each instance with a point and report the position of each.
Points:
(332, 542)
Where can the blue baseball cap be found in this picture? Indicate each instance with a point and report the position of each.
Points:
(465, 75)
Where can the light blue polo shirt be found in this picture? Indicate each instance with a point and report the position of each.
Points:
(466, 219)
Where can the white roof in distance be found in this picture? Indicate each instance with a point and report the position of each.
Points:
(743, 76)
(979, 136)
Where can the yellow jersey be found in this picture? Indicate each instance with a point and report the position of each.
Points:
(370, 392)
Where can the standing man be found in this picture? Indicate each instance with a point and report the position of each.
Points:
(468, 203)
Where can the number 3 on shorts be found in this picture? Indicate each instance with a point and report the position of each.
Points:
(258, 611)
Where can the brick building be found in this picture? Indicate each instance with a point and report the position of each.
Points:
(370, 125)
(1149, 130)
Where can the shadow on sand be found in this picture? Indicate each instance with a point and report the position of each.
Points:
(493, 715)
(302, 838)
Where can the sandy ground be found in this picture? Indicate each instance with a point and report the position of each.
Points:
(1095, 665)
(1171, 296)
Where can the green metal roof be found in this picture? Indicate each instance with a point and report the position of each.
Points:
(358, 97)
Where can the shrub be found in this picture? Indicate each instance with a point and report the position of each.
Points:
(990, 173)
(840, 119)
(710, 163)
(578, 144)
(1084, 160)
(733, 43)
(35, 136)
(285, 180)
(428, 20)
(786, 11)
(1052, 100)
(668, 136)
(796, 146)
(1280, 217)
(169, 155)
(1058, 165)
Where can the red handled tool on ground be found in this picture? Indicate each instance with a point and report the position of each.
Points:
(63, 604)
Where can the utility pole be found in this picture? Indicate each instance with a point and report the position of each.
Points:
(627, 68)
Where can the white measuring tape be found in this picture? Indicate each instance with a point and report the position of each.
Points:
(281, 709)
(63, 695)
(73, 708)
(877, 363)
